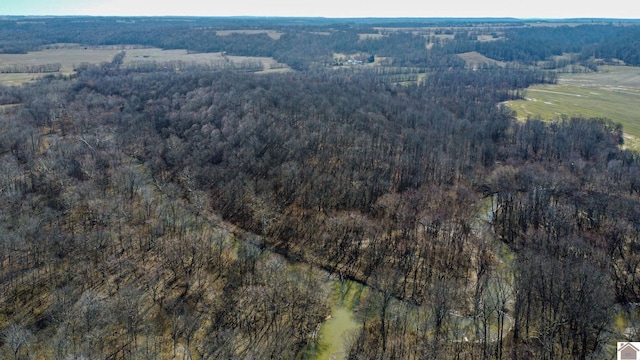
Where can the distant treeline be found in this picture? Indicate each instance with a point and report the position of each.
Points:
(26, 68)
(303, 45)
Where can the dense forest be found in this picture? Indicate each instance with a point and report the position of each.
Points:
(197, 213)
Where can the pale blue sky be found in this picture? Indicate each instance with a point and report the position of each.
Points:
(329, 8)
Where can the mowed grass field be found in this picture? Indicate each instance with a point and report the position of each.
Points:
(613, 93)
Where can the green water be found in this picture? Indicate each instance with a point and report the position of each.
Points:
(340, 329)
(335, 335)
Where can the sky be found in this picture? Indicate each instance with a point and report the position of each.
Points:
(552, 9)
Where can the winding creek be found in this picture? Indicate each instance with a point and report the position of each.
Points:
(336, 334)
(339, 329)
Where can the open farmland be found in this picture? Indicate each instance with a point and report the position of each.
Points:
(159, 55)
(69, 57)
(613, 92)
(18, 79)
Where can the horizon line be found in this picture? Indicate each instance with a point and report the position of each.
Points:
(328, 17)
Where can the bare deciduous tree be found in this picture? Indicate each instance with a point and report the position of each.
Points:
(17, 338)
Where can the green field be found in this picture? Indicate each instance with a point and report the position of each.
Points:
(613, 92)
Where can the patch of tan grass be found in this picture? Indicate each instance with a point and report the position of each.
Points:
(370, 36)
(475, 60)
(275, 35)
(18, 79)
(487, 37)
(159, 55)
